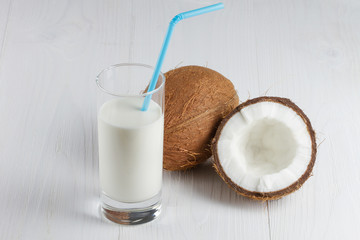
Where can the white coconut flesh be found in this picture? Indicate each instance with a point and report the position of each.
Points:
(265, 147)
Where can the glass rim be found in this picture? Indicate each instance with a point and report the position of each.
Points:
(128, 95)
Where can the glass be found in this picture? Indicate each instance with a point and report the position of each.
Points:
(130, 143)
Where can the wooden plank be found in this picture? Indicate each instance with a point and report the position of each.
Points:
(48, 176)
(5, 12)
(320, 71)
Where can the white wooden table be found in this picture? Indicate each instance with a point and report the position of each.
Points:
(51, 51)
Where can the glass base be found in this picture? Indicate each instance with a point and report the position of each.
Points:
(130, 213)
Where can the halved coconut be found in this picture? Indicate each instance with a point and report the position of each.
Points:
(265, 148)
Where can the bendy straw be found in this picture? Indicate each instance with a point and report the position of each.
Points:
(165, 45)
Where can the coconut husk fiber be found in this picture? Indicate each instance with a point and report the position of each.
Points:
(196, 100)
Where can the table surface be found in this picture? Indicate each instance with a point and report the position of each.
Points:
(51, 51)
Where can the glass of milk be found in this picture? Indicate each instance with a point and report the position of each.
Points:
(130, 143)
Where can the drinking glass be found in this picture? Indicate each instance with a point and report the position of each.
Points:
(130, 143)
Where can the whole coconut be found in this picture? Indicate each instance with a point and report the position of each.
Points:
(196, 100)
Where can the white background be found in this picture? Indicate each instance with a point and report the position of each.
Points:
(51, 51)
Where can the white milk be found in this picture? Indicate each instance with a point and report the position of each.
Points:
(130, 149)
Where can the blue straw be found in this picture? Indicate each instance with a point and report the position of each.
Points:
(172, 24)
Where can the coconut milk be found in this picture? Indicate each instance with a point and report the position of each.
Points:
(130, 149)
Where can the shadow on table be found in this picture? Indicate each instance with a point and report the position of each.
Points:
(205, 182)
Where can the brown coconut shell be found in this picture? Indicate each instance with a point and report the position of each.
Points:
(266, 195)
(196, 100)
